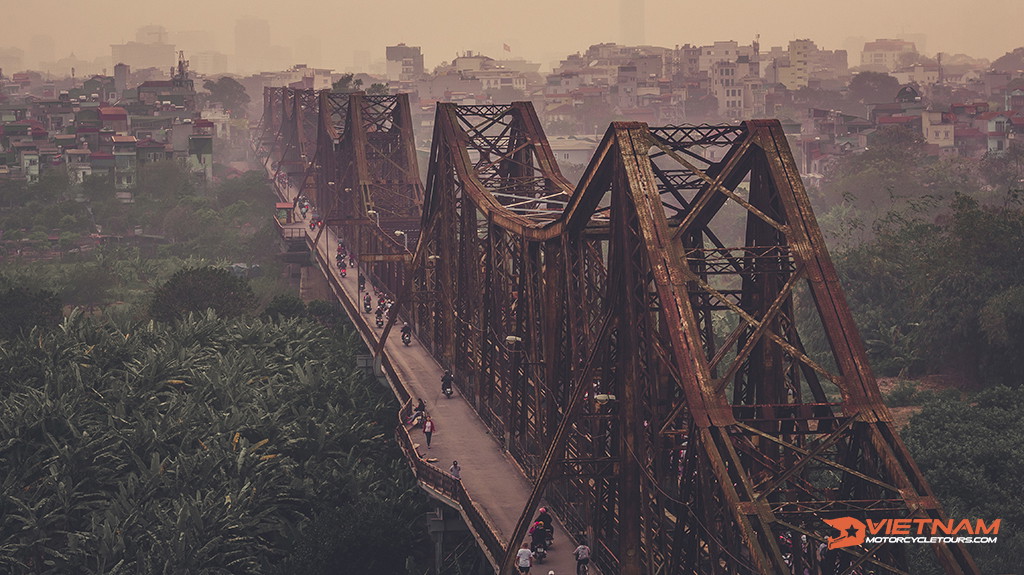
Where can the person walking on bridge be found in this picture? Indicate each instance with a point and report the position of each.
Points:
(524, 558)
(428, 430)
(582, 555)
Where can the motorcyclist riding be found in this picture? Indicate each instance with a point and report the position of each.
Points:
(446, 382)
(538, 539)
(544, 518)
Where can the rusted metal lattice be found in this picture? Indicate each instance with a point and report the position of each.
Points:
(634, 341)
(634, 344)
(354, 157)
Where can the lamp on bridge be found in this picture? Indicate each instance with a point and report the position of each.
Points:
(373, 214)
(512, 339)
(404, 236)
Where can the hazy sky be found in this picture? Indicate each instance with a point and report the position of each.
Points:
(540, 30)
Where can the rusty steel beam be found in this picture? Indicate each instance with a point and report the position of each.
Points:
(633, 342)
(270, 123)
(708, 439)
(354, 157)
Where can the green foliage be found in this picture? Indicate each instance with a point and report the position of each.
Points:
(284, 307)
(903, 394)
(973, 456)
(873, 88)
(1004, 171)
(1010, 61)
(21, 309)
(378, 89)
(196, 289)
(345, 84)
(230, 94)
(882, 177)
(250, 187)
(207, 446)
(943, 296)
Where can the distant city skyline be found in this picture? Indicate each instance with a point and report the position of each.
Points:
(338, 35)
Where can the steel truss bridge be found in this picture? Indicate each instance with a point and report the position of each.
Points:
(631, 341)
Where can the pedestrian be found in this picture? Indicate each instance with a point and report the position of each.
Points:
(582, 555)
(428, 429)
(524, 558)
(455, 470)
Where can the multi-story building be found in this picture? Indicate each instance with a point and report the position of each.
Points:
(738, 88)
(939, 129)
(803, 64)
(404, 63)
(920, 74)
(887, 55)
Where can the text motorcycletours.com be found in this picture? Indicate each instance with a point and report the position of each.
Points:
(853, 531)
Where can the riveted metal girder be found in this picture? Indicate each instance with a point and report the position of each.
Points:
(635, 342)
(694, 433)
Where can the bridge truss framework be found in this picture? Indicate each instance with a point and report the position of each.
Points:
(632, 341)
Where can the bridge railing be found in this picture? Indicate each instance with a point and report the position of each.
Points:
(445, 483)
(427, 474)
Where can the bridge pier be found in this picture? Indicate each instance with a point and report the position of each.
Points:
(313, 285)
(446, 527)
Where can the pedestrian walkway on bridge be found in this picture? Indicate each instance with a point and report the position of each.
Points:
(491, 478)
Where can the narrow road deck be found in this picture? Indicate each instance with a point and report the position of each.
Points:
(496, 484)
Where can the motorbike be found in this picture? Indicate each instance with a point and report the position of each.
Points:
(539, 553)
(406, 338)
(447, 391)
(366, 305)
(343, 272)
(380, 320)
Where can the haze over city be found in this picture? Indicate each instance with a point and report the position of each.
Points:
(330, 34)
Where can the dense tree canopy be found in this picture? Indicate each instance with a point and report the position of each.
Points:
(236, 447)
(943, 296)
(973, 456)
(1010, 62)
(194, 290)
(872, 88)
(230, 94)
(347, 83)
(21, 309)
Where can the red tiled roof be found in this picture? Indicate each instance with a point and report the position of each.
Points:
(113, 112)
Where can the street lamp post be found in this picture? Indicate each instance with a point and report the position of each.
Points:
(373, 214)
(404, 236)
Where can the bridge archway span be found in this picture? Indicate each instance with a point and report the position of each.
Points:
(633, 343)
(666, 284)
